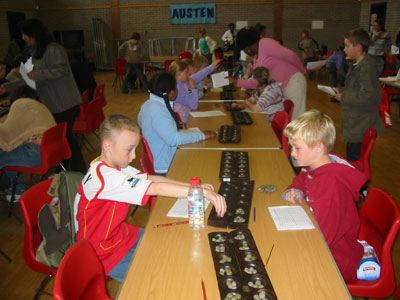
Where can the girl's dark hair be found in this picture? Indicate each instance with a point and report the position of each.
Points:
(161, 84)
(34, 28)
(263, 77)
(260, 28)
(247, 37)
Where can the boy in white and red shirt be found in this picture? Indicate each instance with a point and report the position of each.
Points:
(329, 184)
(110, 186)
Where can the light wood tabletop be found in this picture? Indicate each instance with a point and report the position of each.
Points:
(391, 82)
(170, 262)
(258, 135)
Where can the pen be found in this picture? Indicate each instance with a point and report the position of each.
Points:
(269, 255)
(204, 290)
(254, 214)
(170, 224)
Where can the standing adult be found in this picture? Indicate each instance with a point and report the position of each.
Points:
(55, 84)
(206, 45)
(285, 66)
(229, 38)
(380, 41)
(307, 45)
(134, 53)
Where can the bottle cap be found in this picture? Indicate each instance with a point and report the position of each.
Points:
(195, 181)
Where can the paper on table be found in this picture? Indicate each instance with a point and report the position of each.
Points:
(189, 130)
(24, 69)
(219, 79)
(316, 65)
(204, 114)
(327, 89)
(290, 218)
(395, 50)
(180, 208)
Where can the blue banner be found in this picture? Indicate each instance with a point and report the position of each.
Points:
(195, 13)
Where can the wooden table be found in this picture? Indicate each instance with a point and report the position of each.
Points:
(171, 262)
(259, 135)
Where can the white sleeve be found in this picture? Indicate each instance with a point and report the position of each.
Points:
(127, 185)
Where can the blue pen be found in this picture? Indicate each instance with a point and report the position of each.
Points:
(254, 214)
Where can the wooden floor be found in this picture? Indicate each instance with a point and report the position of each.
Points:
(17, 281)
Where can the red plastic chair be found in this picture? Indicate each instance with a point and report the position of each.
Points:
(366, 147)
(380, 222)
(92, 121)
(99, 94)
(80, 275)
(167, 63)
(390, 62)
(31, 202)
(147, 163)
(54, 149)
(83, 106)
(289, 107)
(120, 69)
(281, 119)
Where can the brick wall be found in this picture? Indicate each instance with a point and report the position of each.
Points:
(152, 22)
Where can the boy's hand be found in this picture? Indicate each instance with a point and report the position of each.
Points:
(217, 200)
(209, 134)
(192, 83)
(337, 96)
(207, 186)
(294, 197)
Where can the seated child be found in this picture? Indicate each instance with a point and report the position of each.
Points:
(188, 96)
(267, 96)
(110, 186)
(329, 184)
(160, 125)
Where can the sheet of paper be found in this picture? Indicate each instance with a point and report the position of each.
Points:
(316, 65)
(205, 114)
(395, 50)
(24, 69)
(219, 79)
(180, 208)
(290, 217)
(327, 89)
(189, 130)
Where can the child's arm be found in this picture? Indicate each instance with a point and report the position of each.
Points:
(294, 196)
(168, 189)
(296, 191)
(188, 98)
(251, 105)
(156, 178)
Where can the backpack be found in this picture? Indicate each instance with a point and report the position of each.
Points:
(56, 222)
(384, 110)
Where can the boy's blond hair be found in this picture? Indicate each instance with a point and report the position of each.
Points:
(117, 123)
(177, 66)
(312, 127)
(200, 61)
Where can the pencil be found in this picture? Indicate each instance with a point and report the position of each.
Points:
(204, 290)
(269, 255)
(170, 224)
(254, 214)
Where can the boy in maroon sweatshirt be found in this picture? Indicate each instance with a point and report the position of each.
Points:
(329, 184)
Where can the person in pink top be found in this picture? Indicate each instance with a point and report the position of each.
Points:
(285, 66)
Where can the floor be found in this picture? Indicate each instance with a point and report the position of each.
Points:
(17, 281)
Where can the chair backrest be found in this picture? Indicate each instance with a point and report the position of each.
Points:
(80, 274)
(281, 119)
(146, 159)
(31, 202)
(289, 106)
(147, 163)
(83, 106)
(54, 147)
(366, 148)
(167, 63)
(95, 115)
(99, 94)
(380, 222)
(120, 66)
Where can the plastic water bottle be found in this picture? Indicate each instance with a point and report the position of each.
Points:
(196, 204)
